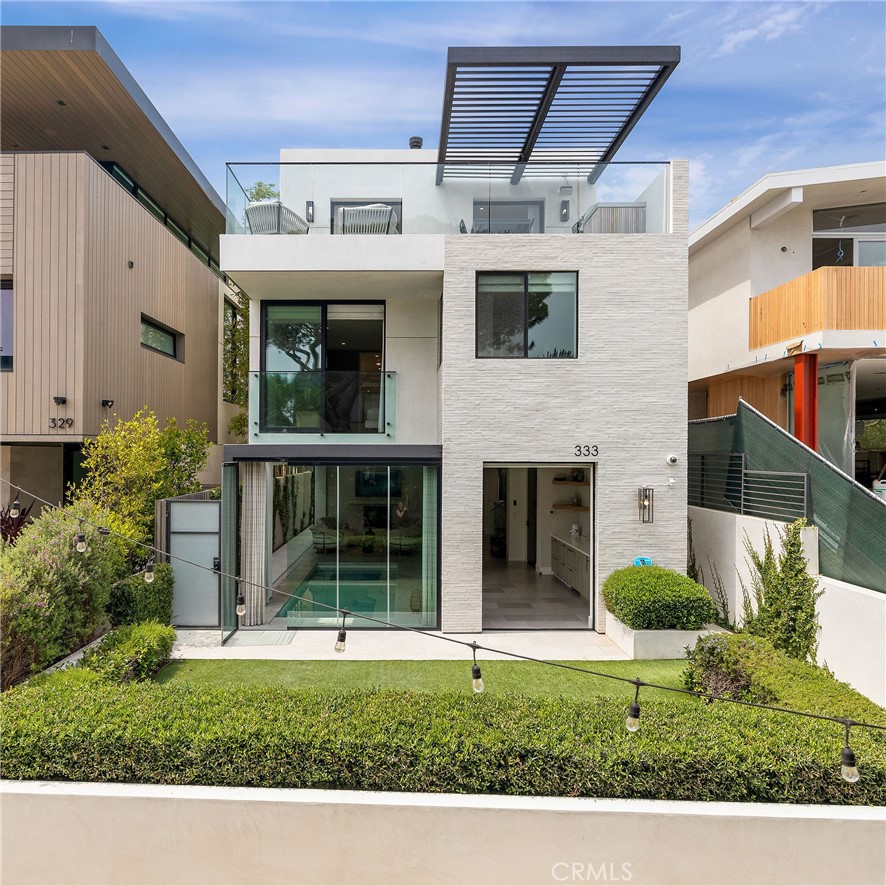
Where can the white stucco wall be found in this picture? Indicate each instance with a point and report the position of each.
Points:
(852, 638)
(625, 393)
(145, 834)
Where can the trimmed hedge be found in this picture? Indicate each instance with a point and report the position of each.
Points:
(751, 668)
(133, 652)
(134, 600)
(79, 727)
(649, 598)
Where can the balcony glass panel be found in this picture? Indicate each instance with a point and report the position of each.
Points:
(323, 401)
(319, 199)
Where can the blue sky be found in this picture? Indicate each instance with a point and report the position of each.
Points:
(762, 87)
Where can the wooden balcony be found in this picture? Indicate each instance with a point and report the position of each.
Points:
(828, 298)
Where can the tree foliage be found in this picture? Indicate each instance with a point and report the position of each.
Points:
(131, 464)
(781, 604)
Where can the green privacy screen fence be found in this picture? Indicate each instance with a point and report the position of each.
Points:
(851, 521)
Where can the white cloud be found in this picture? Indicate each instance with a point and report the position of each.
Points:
(770, 26)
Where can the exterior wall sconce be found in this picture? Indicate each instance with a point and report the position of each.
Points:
(564, 210)
(59, 401)
(309, 211)
(130, 265)
(107, 404)
(645, 503)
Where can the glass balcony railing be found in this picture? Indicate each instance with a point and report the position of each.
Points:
(326, 402)
(426, 198)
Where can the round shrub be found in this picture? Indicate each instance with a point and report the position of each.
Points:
(654, 598)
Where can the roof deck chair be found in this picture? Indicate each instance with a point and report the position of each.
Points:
(272, 217)
(374, 218)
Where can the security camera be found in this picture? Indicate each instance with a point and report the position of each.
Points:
(672, 459)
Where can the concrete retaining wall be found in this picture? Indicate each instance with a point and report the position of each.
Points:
(92, 833)
(852, 639)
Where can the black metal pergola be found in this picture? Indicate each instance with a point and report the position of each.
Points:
(565, 105)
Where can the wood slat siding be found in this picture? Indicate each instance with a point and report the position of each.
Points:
(48, 287)
(7, 212)
(168, 284)
(78, 306)
(827, 298)
(762, 393)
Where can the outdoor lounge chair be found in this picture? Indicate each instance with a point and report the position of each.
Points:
(374, 218)
(272, 217)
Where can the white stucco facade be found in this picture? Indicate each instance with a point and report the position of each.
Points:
(622, 397)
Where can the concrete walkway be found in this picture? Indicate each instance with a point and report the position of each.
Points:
(393, 645)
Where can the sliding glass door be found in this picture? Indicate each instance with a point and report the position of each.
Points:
(372, 549)
(323, 367)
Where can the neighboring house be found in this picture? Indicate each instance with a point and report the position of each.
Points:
(787, 309)
(459, 354)
(112, 296)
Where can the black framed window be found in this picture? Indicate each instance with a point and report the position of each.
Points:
(529, 315)
(508, 217)
(7, 336)
(160, 338)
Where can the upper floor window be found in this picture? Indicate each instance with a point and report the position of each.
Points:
(160, 338)
(508, 217)
(531, 315)
(849, 235)
(6, 325)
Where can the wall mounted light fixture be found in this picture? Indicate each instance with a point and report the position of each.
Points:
(645, 503)
(564, 210)
(59, 401)
(107, 404)
(131, 264)
(309, 211)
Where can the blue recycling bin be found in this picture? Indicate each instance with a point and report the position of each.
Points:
(642, 561)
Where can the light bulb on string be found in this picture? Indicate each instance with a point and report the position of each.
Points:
(16, 509)
(632, 722)
(342, 633)
(149, 571)
(80, 543)
(241, 601)
(476, 677)
(848, 769)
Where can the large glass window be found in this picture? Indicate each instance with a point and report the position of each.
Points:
(849, 235)
(371, 546)
(6, 325)
(324, 368)
(531, 315)
(159, 338)
(508, 217)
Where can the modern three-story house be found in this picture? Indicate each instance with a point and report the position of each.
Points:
(468, 365)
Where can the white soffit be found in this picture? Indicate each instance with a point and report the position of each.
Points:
(776, 208)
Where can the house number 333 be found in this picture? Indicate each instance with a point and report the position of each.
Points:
(586, 449)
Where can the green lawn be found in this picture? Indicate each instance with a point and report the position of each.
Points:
(430, 676)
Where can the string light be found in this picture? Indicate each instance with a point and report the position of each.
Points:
(16, 509)
(80, 541)
(342, 633)
(476, 676)
(632, 723)
(149, 571)
(848, 770)
(241, 601)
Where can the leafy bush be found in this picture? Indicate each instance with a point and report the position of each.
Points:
(132, 463)
(133, 652)
(52, 598)
(753, 669)
(784, 595)
(654, 598)
(78, 727)
(134, 600)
